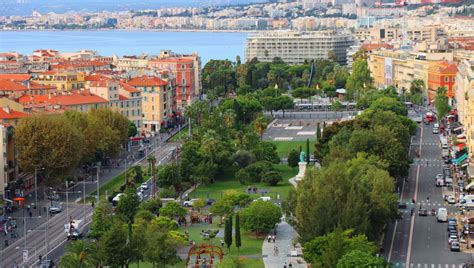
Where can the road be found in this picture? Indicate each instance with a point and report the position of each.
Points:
(420, 241)
(40, 233)
(322, 115)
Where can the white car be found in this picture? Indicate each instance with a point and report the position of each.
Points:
(144, 186)
(451, 200)
(263, 198)
(190, 202)
(452, 238)
(435, 131)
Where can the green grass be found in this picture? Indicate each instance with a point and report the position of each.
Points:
(228, 182)
(284, 147)
(183, 134)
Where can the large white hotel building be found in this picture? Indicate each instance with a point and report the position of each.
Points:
(296, 47)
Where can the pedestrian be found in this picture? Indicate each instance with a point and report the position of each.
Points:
(290, 265)
(222, 242)
(92, 204)
(274, 238)
(28, 207)
(284, 265)
(31, 214)
(269, 238)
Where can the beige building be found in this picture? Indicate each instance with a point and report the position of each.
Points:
(464, 95)
(130, 64)
(121, 97)
(387, 34)
(63, 81)
(157, 101)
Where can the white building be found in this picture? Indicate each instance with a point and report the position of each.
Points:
(296, 47)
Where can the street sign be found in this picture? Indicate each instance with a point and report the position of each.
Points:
(25, 255)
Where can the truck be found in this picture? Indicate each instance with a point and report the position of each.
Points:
(442, 215)
(73, 229)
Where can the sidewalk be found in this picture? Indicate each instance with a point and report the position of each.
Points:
(284, 242)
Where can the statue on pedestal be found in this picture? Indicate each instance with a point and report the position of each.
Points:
(302, 156)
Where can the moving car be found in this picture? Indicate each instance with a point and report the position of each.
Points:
(423, 212)
(116, 199)
(144, 186)
(74, 229)
(56, 207)
(435, 130)
(451, 200)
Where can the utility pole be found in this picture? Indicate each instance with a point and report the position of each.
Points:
(36, 188)
(67, 200)
(98, 171)
(189, 129)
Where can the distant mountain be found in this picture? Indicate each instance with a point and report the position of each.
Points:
(26, 7)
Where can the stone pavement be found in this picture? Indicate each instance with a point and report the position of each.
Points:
(284, 242)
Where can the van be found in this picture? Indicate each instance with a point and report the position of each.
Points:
(442, 215)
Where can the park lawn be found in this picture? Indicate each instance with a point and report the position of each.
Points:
(284, 147)
(183, 135)
(227, 181)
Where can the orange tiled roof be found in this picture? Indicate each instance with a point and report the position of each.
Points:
(37, 86)
(174, 60)
(128, 87)
(10, 85)
(147, 81)
(16, 77)
(122, 97)
(12, 114)
(370, 47)
(74, 98)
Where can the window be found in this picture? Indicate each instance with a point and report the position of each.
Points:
(183, 66)
(144, 98)
(153, 107)
(183, 82)
(446, 79)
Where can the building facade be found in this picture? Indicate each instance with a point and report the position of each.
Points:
(157, 102)
(63, 81)
(464, 94)
(296, 48)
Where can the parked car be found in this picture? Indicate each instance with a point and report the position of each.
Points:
(455, 246)
(452, 238)
(56, 207)
(423, 212)
(144, 186)
(435, 130)
(189, 203)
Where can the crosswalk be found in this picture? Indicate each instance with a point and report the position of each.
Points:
(429, 265)
(427, 162)
(425, 144)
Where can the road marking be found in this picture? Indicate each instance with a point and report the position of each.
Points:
(311, 133)
(412, 225)
(283, 139)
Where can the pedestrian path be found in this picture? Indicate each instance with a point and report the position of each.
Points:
(428, 265)
(425, 144)
(286, 252)
(427, 162)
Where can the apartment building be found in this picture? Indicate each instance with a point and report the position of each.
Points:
(296, 47)
(130, 64)
(464, 94)
(157, 101)
(184, 70)
(78, 100)
(389, 34)
(400, 68)
(121, 97)
(63, 81)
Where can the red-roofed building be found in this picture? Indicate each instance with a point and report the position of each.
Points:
(442, 74)
(78, 100)
(157, 101)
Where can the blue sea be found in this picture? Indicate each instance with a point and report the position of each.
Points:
(209, 45)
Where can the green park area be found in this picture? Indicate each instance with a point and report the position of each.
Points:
(284, 147)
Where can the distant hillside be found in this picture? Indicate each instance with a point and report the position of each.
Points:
(25, 7)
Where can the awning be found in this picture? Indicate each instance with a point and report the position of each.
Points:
(470, 185)
(458, 128)
(460, 159)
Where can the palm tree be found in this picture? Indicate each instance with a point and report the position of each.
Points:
(229, 118)
(209, 143)
(78, 255)
(261, 125)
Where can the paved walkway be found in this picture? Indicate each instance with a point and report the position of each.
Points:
(284, 242)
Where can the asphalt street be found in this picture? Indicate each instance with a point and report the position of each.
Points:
(420, 241)
(321, 115)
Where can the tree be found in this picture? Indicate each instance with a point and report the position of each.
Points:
(260, 216)
(389, 104)
(308, 154)
(168, 175)
(358, 258)
(293, 158)
(118, 253)
(360, 77)
(199, 204)
(243, 158)
(417, 86)
(132, 129)
(261, 124)
(101, 219)
(272, 177)
(334, 250)
(442, 103)
(127, 208)
(77, 255)
(173, 210)
(238, 241)
(303, 92)
(222, 208)
(52, 134)
(228, 232)
(318, 132)
(337, 106)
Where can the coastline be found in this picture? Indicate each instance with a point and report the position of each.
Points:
(129, 30)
